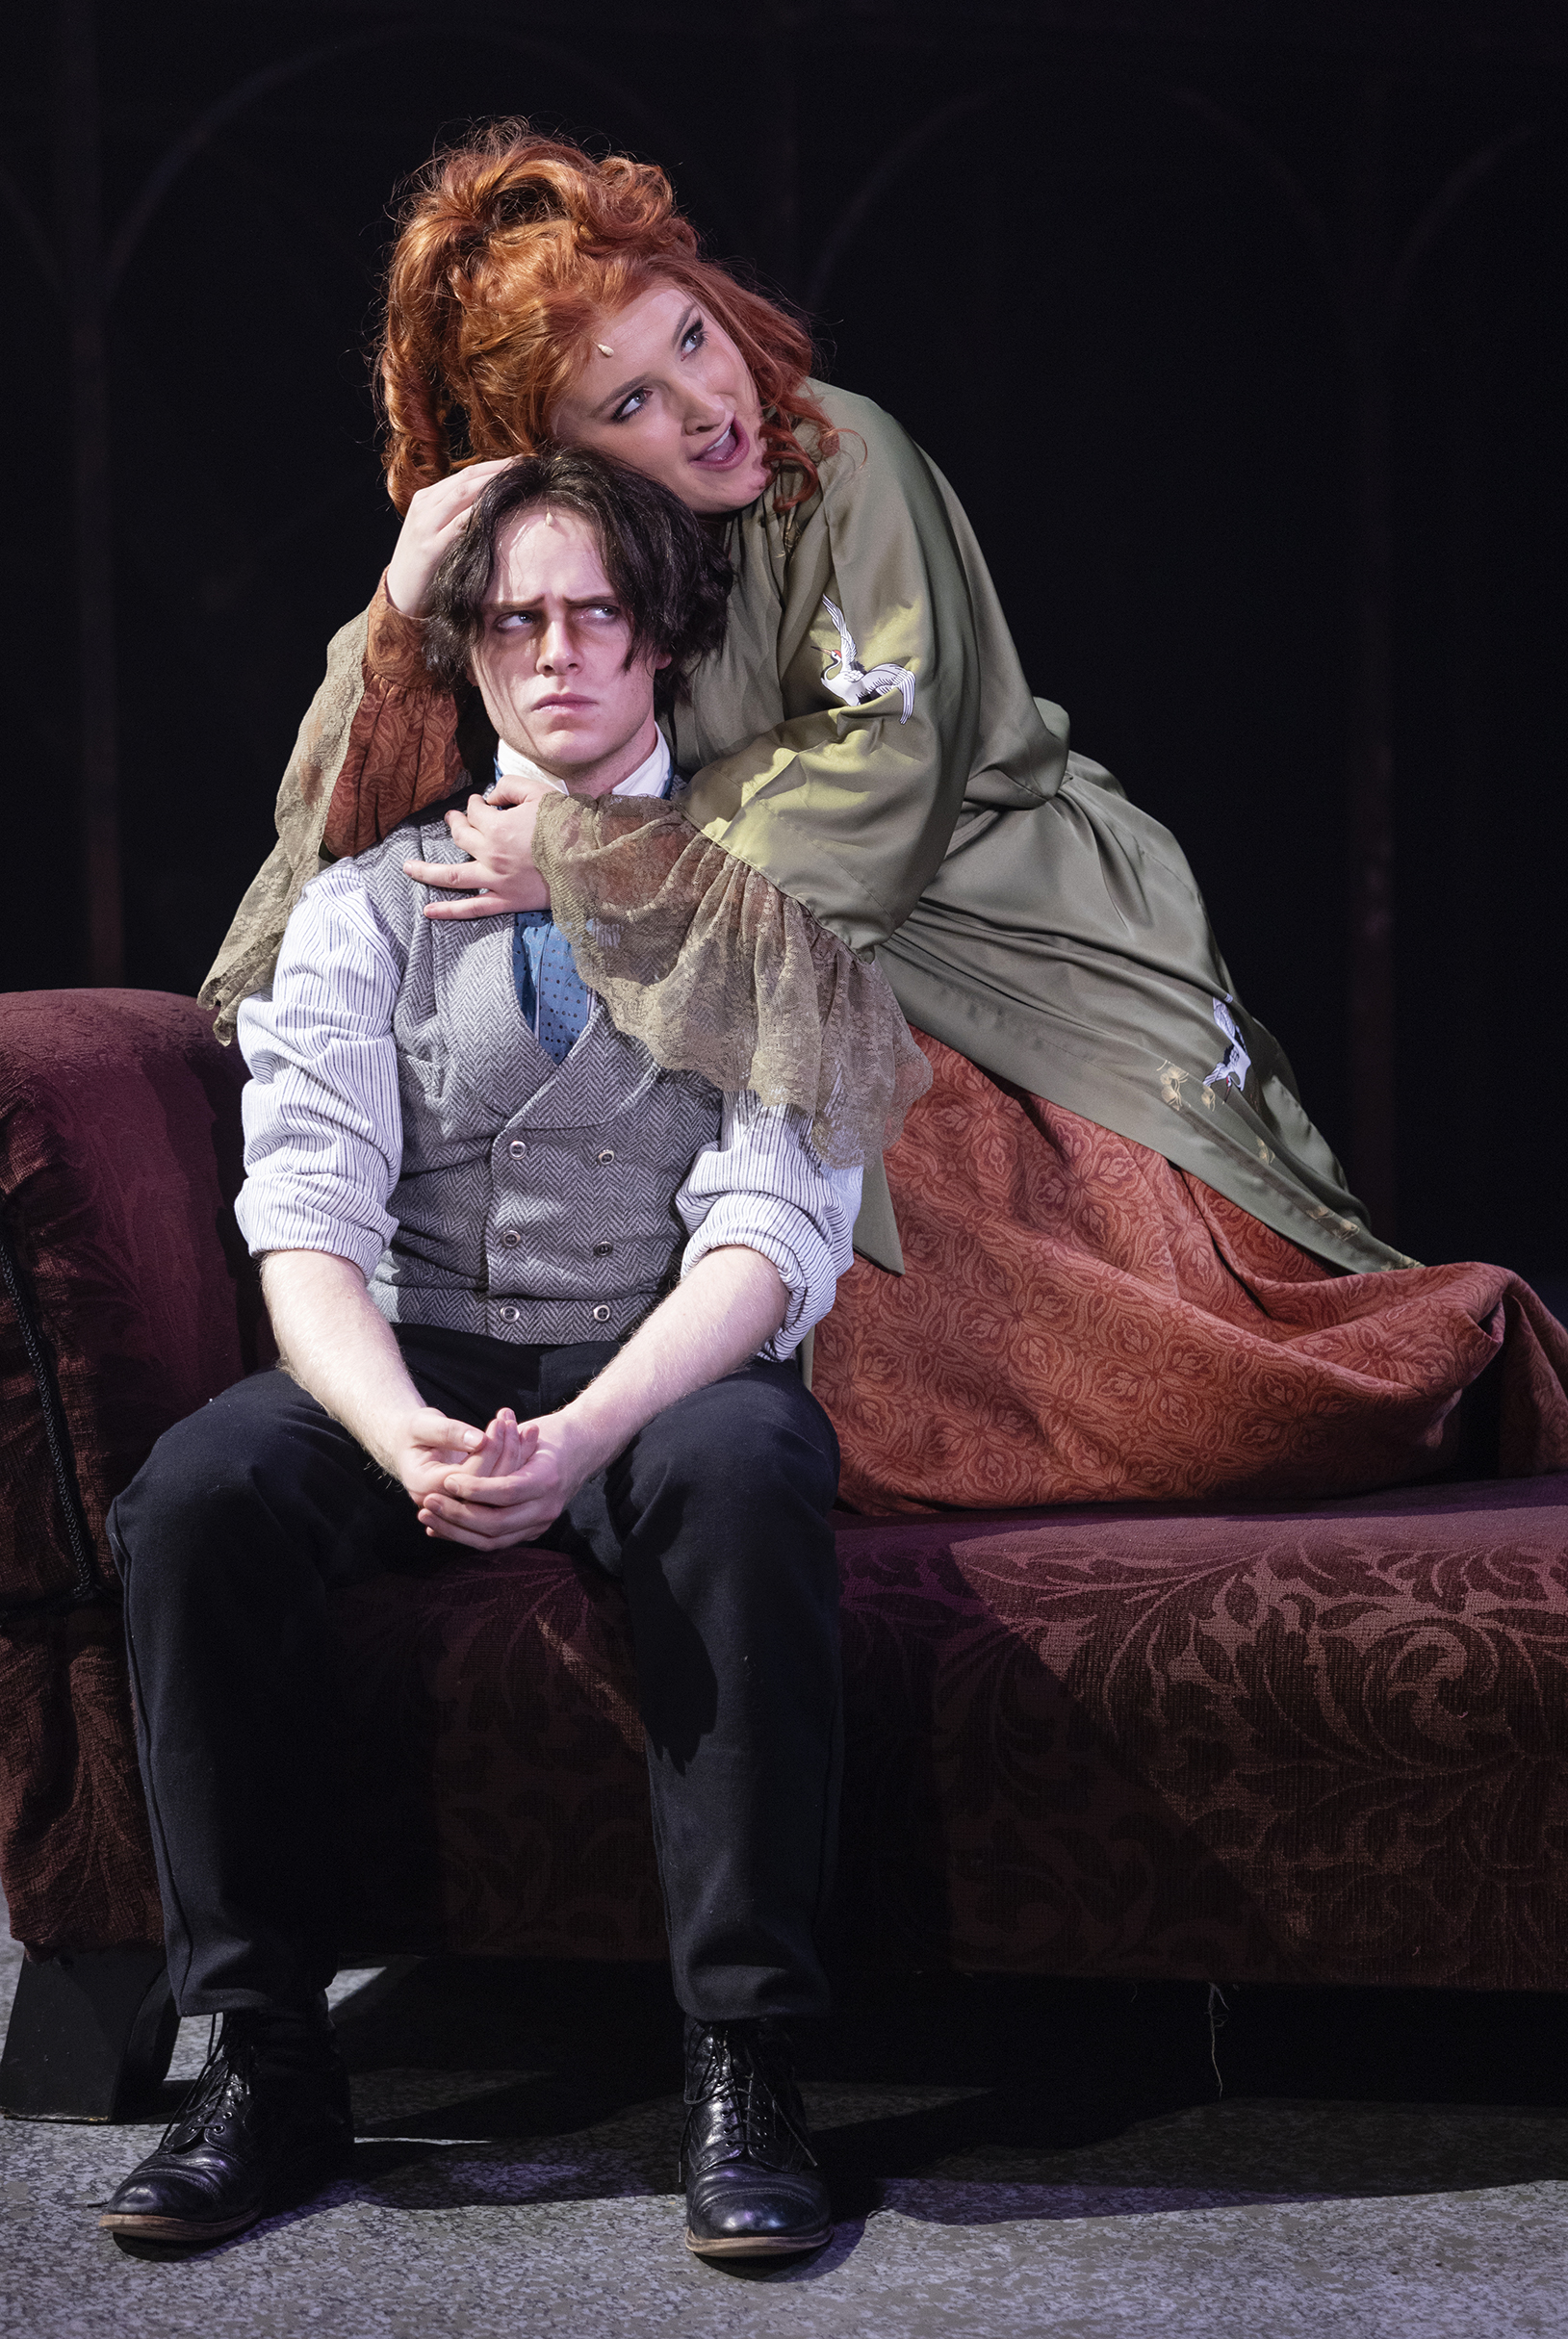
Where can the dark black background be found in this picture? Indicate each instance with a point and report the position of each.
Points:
(1088, 304)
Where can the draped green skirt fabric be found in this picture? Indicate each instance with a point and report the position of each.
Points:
(1066, 949)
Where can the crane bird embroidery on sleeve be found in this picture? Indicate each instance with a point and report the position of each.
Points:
(848, 679)
(1235, 1064)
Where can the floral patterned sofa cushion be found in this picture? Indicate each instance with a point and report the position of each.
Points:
(1323, 1744)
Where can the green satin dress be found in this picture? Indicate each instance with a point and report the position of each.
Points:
(928, 811)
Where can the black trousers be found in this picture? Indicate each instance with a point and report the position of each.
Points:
(714, 1519)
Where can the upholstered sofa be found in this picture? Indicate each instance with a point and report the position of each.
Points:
(1324, 1743)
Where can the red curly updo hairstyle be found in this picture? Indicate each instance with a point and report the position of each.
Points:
(512, 252)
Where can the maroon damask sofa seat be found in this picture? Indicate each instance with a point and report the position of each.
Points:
(1323, 1744)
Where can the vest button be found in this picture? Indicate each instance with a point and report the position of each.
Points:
(511, 1238)
(508, 1315)
(602, 1315)
(605, 1157)
(517, 1148)
(602, 1250)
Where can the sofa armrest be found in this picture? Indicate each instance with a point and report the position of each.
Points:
(129, 1298)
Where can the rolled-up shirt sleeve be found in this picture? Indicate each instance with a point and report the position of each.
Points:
(323, 1118)
(762, 1184)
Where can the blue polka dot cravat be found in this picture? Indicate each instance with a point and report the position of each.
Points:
(555, 1001)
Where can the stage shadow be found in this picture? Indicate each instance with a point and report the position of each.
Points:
(953, 2100)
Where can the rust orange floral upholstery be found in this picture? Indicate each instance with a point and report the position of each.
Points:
(1079, 1322)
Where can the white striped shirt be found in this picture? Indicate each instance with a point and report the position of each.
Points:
(324, 1125)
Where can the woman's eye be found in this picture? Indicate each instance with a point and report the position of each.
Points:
(628, 407)
(694, 336)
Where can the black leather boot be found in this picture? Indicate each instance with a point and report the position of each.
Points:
(746, 2160)
(268, 2117)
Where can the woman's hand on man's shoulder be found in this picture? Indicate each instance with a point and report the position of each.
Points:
(500, 876)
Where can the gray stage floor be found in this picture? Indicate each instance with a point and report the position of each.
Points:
(1006, 2158)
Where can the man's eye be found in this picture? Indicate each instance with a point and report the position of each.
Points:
(514, 621)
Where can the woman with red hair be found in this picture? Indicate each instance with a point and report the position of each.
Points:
(1111, 1255)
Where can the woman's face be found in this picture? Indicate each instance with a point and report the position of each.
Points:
(665, 388)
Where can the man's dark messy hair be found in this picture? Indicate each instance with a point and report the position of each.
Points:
(666, 571)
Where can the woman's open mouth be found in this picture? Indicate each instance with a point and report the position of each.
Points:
(726, 449)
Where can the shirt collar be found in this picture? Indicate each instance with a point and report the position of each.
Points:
(649, 778)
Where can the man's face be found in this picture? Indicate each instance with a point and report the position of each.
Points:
(550, 658)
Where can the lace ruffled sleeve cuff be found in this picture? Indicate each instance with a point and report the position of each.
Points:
(702, 957)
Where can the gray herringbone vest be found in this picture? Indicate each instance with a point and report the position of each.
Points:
(538, 1200)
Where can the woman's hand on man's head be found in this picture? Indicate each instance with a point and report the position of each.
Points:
(434, 521)
(501, 875)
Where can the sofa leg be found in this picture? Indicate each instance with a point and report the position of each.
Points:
(91, 2036)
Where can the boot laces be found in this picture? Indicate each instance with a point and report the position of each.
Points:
(229, 2058)
(734, 2076)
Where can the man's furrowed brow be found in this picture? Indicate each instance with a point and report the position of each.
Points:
(607, 599)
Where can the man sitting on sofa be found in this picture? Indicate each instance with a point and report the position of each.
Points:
(477, 1201)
